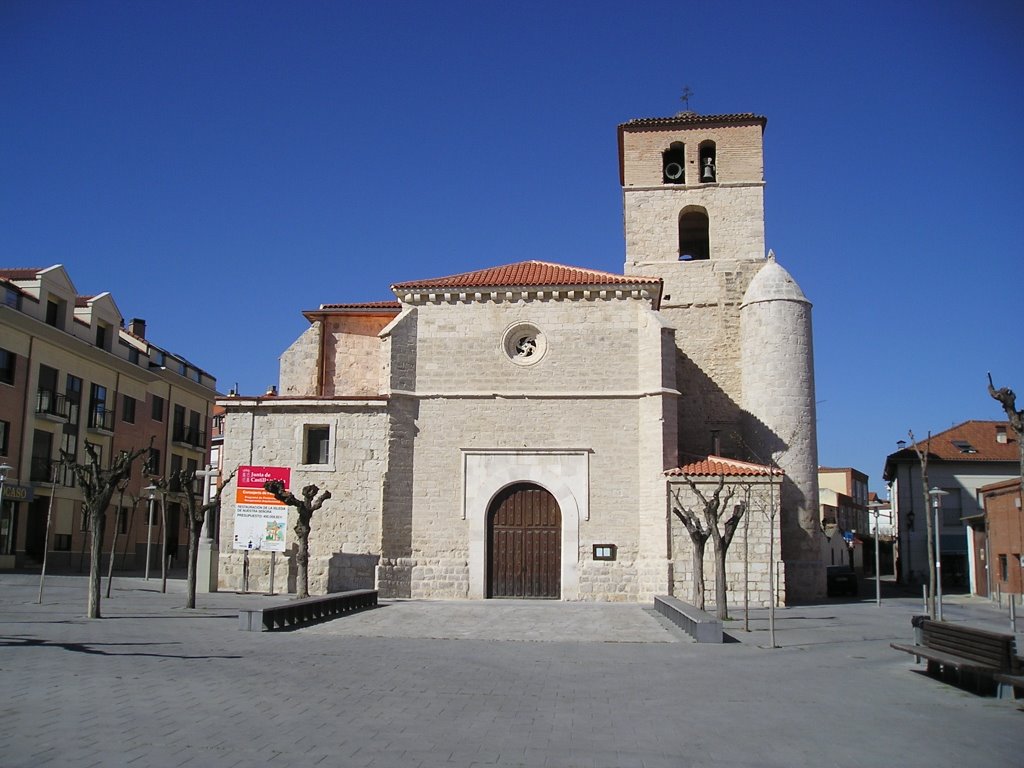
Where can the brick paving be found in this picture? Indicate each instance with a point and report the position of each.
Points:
(499, 684)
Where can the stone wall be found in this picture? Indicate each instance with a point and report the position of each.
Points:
(300, 366)
(738, 149)
(348, 526)
(353, 360)
(748, 556)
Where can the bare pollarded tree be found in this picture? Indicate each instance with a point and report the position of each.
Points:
(1006, 398)
(98, 488)
(196, 511)
(707, 522)
(306, 506)
(922, 457)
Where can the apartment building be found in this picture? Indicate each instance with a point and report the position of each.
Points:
(73, 373)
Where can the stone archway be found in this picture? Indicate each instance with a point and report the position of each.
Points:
(524, 543)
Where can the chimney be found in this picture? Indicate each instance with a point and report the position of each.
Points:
(138, 327)
(1001, 434)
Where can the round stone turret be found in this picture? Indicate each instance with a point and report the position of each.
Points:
(777, 372)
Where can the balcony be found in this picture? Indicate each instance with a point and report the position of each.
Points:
(189, 436)
(53, 406)
(101, 419)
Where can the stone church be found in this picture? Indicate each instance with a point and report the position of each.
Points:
(527, 430)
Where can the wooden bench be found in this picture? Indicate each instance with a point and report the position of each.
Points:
(309, 610)
(701, 626)
(965, 654)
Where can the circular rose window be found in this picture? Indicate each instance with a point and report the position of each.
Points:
(524, 344)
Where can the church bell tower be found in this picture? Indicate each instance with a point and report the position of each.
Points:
(693, 212)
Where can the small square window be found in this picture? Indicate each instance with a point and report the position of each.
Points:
(62, 542)
(605, 551)
(318, 442)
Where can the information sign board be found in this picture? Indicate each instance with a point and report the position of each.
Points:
(260, 519)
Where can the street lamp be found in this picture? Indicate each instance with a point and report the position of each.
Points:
(4, 469)
(149, 528)
(937, 494)
(876, 508)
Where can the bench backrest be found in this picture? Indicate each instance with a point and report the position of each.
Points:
(993, 649)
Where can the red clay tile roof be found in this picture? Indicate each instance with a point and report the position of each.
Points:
(693, 117)
(20, 273)
(714, 466)
(528, 274)
(970, 441)
(396, 305)
(83, 301)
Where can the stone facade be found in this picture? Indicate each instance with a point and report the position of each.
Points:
(587, 386)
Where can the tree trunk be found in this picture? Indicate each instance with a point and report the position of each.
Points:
(95, 556)
(194, 530)
(721, 588)
(698, 573)
(302, 560)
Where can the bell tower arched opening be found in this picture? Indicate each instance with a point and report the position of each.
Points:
(694, 241)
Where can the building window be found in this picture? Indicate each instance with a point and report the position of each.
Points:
(12, 297)
(128, 409)
(174, 481)
(1004, 568)
(158, 408)
(152, 463)
(318, 441)
(694, 240)
(62, 542)
(708, 166)
(101, 336)
(99, 416)
(5, 431)
(42, 451)
(55, 310)
(73, 393)
(8, 365)
(68, 446)
(178, 426)
(952, 509)
(673, 164)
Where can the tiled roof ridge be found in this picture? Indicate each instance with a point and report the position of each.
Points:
(391, 304)
(527, 273)
(720, 465)
(21, 273)
(693, 117)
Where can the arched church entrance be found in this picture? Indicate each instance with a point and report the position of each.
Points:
(524, 543)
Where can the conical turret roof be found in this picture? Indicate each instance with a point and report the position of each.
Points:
(772, 283)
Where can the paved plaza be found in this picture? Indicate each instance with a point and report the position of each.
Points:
(482, 684)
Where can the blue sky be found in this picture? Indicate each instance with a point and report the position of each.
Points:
(220, 167)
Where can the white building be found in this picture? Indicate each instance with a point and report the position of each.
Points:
(507, 432)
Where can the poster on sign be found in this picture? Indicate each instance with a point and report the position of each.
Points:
(260, 519)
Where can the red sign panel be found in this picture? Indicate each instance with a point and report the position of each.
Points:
(255, 477)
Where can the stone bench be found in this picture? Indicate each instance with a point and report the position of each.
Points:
(969, 655)
(309, 610)
(701, 626)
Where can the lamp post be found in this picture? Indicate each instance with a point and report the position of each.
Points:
(4, 469)
(876, 507)
(937, 494)
(149, 528)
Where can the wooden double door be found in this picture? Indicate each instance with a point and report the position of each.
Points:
(524, 544)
